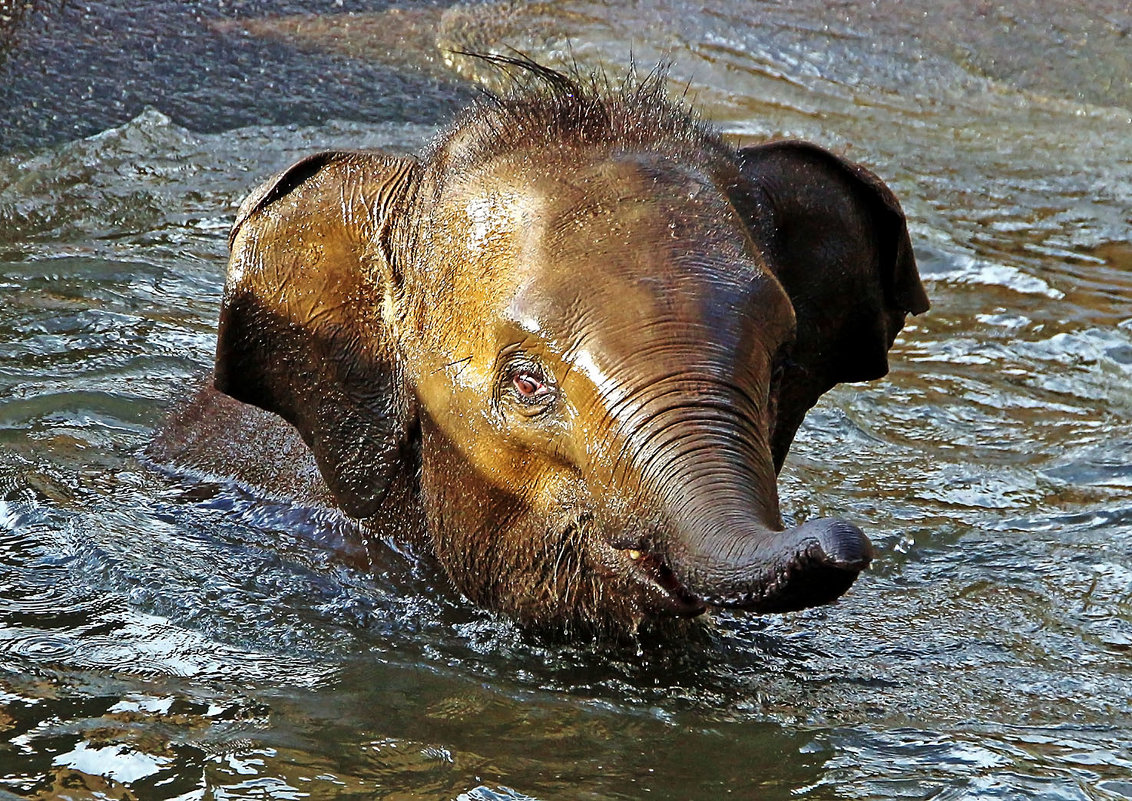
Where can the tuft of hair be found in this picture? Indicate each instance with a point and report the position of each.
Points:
(552, 109)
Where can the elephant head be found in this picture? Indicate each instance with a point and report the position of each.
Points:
(568, 348)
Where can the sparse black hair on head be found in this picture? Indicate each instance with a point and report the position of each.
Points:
(552, 109)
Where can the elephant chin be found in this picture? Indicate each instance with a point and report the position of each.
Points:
(777, 571)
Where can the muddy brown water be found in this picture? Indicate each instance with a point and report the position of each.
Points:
(163, 637)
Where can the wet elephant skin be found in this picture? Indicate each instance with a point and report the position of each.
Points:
(566, 350)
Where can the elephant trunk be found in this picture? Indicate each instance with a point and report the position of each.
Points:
(724, 539)
(757, 568)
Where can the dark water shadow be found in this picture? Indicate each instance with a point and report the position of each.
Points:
(69, 70)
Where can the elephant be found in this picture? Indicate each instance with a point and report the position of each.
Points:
(563, 353)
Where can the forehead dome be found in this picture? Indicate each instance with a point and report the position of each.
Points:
(551, 110)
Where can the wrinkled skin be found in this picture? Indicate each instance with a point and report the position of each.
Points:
(569, 360)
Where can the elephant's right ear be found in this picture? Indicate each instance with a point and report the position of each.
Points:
(305, 329)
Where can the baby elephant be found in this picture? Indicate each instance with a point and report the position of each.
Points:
(565, 352)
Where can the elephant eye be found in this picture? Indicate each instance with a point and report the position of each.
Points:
(530, 386)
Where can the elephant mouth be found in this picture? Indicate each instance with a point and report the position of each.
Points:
(663, 591)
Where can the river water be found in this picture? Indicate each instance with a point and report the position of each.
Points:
(163, 637)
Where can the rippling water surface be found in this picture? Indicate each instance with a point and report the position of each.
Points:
(161, 637)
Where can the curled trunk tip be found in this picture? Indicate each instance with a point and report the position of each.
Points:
(779, 571)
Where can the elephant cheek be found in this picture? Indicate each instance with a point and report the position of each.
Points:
(530, 555)
(489, 542)
(459, 506)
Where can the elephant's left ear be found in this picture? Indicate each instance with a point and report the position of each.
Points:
(835, 237)
(305, 329)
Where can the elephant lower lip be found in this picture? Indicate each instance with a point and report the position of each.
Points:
(666, 591)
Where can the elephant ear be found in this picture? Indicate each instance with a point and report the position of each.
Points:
(304, 327)
(835, 236)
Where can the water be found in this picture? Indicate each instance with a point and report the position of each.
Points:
(161, 637)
